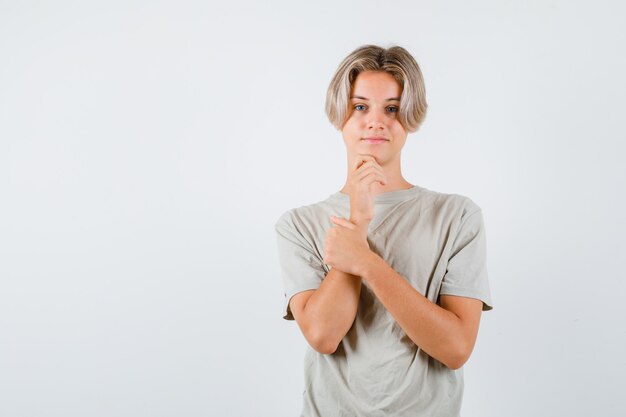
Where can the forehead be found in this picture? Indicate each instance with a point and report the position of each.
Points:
(376, 84)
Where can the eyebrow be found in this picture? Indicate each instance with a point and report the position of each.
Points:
(365, 98)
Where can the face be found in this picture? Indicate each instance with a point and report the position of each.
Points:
(372, 126)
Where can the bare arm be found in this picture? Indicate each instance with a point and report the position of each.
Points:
(325, 315)
(447, 332)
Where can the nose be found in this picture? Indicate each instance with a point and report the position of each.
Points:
(375, 120)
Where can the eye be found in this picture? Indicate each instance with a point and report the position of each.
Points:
(359, 107)
(392, 109)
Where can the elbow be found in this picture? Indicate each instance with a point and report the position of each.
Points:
(455, 363)
(327, 349)
(458, 357)
(323, 344)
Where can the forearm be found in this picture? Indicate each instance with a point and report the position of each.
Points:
(434, 329)
(331, 310)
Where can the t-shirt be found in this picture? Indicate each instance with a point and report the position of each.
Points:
(435, 241)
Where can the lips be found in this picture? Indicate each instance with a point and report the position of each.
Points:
(375, 139)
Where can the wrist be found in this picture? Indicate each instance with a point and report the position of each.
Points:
(370, 262)
(362, 226)
(361, 223)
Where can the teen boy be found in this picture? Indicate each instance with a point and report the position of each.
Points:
(386, 279)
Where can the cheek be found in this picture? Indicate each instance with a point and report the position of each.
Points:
(350, 128)
(352, 121)
(398, 129)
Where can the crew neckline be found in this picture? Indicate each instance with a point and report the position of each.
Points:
(388, 197)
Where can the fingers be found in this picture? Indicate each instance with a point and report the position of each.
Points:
(375, 173)
(343, 222)
(365, 171)
(368, 166)
(362, 159)
(363, 179)
(361, 229)
(364, 162)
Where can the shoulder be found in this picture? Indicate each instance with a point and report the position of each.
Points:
(303, 217)
(451, 203)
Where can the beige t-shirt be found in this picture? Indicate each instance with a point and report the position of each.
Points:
(436, 242)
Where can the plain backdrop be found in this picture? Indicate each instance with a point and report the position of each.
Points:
(148, 147)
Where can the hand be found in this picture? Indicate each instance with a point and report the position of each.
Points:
(346, 248)
(363, 173)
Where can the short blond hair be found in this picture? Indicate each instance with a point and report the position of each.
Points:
(395, 60)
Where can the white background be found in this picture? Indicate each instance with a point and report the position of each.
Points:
(148, 147)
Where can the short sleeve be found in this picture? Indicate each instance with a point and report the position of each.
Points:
(302, 267)
(466, 274)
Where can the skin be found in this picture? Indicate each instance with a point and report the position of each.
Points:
(446, 331)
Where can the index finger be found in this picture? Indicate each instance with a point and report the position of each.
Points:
(362, 158)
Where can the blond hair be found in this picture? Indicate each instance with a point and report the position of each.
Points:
(395, 60)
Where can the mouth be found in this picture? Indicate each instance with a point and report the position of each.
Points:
(375, 139)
